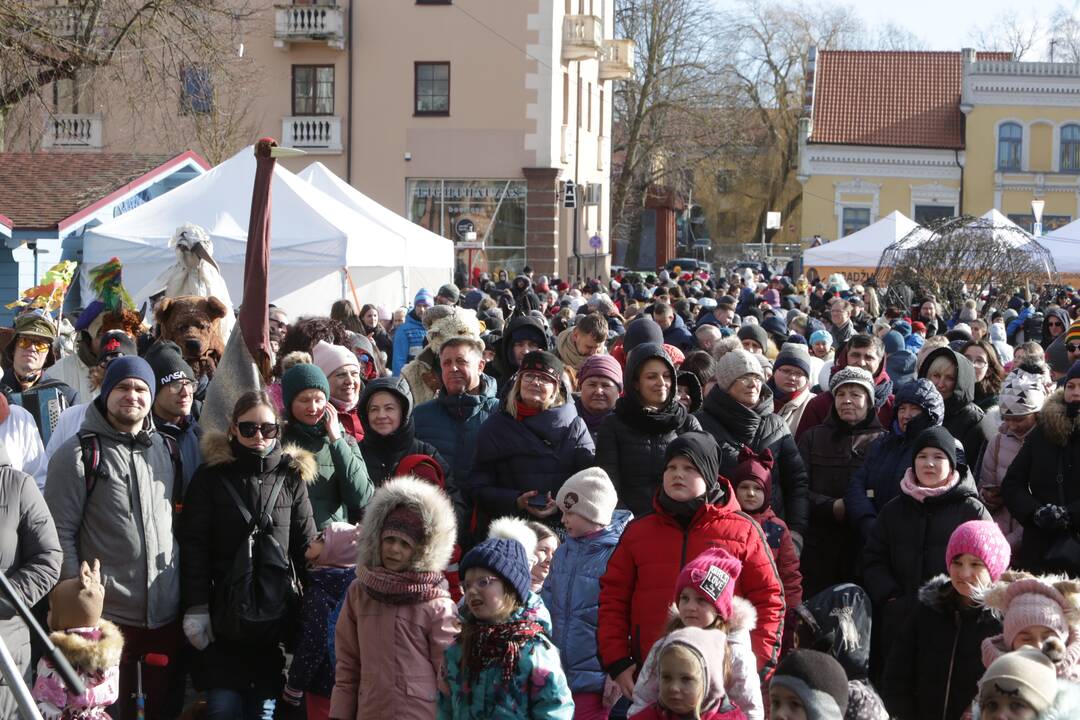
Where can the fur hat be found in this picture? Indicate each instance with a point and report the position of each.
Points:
(507, 559)
(458, 322)
(983, 539)
(590, 494)
(818, 680)
(436, 515)
(78, 601)
(713, 573)
(734, 365)
(1027, 674)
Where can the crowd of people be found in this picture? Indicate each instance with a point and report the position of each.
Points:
(668, 495)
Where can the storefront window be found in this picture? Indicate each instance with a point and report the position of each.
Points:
(493, 209)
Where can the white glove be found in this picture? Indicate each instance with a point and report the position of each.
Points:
(197, 627)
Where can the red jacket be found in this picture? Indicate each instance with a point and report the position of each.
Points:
(638, 587)
(655, 712)
(350, 421)
(778, 537)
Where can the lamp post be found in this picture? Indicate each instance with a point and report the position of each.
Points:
(1037, 211)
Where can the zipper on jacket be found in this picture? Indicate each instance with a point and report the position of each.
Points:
(952, 663)
(132, 482)
(685, 542)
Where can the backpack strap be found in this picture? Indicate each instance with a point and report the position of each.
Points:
(265, 518)
(90, 448)
(179, 486)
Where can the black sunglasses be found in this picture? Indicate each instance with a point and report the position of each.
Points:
(248, 429)
(1072, 347)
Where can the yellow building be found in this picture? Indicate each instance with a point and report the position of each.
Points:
(936, 134)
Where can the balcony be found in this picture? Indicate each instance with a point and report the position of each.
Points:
(583, 37)
(315, 134)
(617, 61)
(72, 132)
(309, 23)
(566, 149)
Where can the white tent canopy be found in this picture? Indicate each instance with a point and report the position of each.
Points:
(861, 249)
(1064, 245)
(313, 237)
(428, 256)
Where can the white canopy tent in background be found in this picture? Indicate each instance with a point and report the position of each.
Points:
(427, 255)
(313, 237)
(1064, 245)
(860, 251)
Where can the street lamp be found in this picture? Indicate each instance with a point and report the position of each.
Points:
(1037, 210)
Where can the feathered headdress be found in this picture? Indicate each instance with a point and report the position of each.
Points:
(105, 281)
(49, 295)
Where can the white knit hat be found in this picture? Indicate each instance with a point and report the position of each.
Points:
(590, 494)
(331, 357)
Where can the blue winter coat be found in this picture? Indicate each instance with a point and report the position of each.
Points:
(535, 453)
(452, 424)
(572, 594)
(409, 340)
(679, 335)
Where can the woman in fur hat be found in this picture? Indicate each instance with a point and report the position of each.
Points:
(241, 670)
(398, 616)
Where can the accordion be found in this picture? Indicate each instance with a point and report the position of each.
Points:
(45, 402)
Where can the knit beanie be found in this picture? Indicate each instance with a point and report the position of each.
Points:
(450, 291)
(1027, 674)
(1074, 372)
(795, 355)
(774, 325)
(331, 357)
(405, 523)
(935, 437)
(516, 529)
(903, 327)
(423, 298)
(117, 343)
(77, 602)
(339, 544)
(504, 557)
(168, 364)
(590, 494)
(894, 342)
(757, 468)
(983, 539)
(1032, 602)
(701, 449)
(1021, 395)
(755, 333)
(821, 336)
(851, 375)
(734, 365)
(128, 367)
(299, 378)
(1073, 333)
(604, 366)
(818, 680)
(642, 330)
(713, 574)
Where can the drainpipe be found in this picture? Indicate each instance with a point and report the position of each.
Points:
(960, 203)
(348, 75)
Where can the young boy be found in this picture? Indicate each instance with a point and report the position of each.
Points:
(753, 487)
(572, 589)
(808, 685)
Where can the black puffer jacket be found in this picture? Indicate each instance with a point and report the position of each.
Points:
(732, 425)
(382, 453)
(962, 416)
(211, 530)
(934, 666)
(1052, 448)
(631, 442)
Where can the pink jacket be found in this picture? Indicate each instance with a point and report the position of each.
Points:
(389, 656)
(95, 655)
(999, 454)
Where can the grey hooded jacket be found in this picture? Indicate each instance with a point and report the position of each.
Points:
(126, 522)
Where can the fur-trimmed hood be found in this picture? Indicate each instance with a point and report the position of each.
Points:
(436, 515)
(1056, 425)
(90, 656)
(938, 594)
(217, 451)
(743, 615)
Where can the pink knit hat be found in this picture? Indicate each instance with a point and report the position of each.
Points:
(1034, 602)
(339, 544)
(331, 357)
(983, 539)
(713, 574)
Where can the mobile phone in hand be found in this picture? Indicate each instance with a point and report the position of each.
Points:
(538, 501)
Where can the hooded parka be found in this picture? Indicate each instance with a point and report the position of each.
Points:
(963, 418)
(382, 453)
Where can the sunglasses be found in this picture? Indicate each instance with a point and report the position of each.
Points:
(39, 345)
(267, 430)
(1072, 347)
(1054, 323)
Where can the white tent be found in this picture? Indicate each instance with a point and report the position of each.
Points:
(313, 238)
(1064, 245)
(429, 258)
(861, 250)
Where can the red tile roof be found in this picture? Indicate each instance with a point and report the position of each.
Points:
(890, 98)
(40, 190)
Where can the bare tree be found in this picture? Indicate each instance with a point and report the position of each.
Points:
(1064, 36)
(1009, 32)
(892, 36)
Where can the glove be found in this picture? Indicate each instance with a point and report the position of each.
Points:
(197, 627)
(1052, 517)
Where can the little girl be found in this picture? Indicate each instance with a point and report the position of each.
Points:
(398, 616)
(502, 664)
(691, 671)
(1022, 685)
(705, 598)
(1035, 610)
(93, 647)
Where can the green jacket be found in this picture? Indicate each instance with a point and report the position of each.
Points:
(342, 483)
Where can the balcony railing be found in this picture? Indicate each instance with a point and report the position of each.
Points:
(617, 62)
(317, 134)
(309, 23)
(583, 37)
(72, 131)
(566, 149)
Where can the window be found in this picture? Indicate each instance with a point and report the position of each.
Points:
(1049, 222)
(854, 219)
(1070, 148)
(313, 90)
(196, 90)
(432, 88)
(73, 95)
(925, 214)
(1010, 139)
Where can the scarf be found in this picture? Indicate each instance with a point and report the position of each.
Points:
(645, 420)
(684, 510)
(401, 588)
(564, 348)
(501, 644)
(342, 406)
(918, 493)
(524, 411)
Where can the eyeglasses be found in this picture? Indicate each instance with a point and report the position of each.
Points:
(749, 379)
(38, 345)
(267, 430)
(480, 584)
(179, 386)
(978, 361)
(536, 379)
(1054, 323)
(1072, 347)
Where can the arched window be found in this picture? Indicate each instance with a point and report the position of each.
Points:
(1010, 141)
(1070, 148)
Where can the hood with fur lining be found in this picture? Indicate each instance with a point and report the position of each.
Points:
(1058, 426)
(436, 515)
(217, 450)
(743, 615)
(90, 656)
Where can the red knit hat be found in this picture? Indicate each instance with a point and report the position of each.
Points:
(713, 574)
(756, 467)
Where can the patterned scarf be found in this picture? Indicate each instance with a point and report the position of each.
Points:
(502, 644)
(401, 588)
